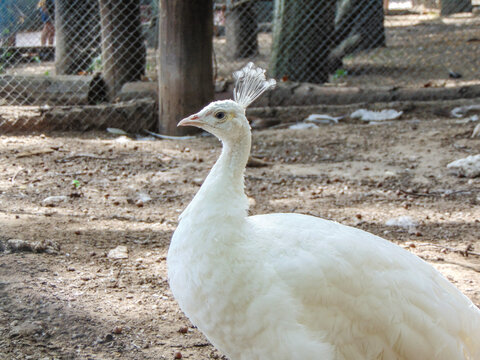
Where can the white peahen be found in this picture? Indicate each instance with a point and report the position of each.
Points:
(291, 286)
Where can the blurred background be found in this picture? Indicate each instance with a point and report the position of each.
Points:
(62, 62)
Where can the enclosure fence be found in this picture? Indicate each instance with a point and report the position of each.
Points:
(80, 65)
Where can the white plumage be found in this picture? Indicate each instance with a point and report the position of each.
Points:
(290, 286)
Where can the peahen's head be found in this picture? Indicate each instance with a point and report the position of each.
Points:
(226, 119)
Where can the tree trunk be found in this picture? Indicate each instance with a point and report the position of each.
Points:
(360, 24)
(77, 35)
(185, 76)
(449, 7)
(123, 48)
(241, 30)
(301, 39)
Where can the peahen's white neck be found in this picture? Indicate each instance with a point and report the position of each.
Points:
(222, 195)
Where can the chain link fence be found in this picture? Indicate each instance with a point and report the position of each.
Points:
(92, 64)
(77, 65)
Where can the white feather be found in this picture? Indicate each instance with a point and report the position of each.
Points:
(290, 286)
(250, 83)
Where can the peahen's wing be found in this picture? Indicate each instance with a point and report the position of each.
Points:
(373, 298)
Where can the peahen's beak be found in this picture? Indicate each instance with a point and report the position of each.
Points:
(192, 120)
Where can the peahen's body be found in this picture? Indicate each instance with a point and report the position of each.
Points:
(290, 286)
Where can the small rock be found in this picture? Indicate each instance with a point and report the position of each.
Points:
(383, 115)
(44, 246)
(476, 131)
(183, 330)
(118, 330)
(122, 139)
(468, 167)
(52, 201)
(454, 75)
(120, 252)
(405, 222)
(461, 111)
(19, 245)
(25, 329)
(323, 119)
(256, 162)
(143, 197)
(197, 181)
(178, 355)
(302, 126)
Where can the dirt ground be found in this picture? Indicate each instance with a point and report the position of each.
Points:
(63, 297)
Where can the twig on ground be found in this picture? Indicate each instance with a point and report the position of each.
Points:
(465, 265)
(34, 152)
(76, 156)
(168, 137)
(201, 344)
(418, 194)
(437, 193)
(16, 173)
(467, 251)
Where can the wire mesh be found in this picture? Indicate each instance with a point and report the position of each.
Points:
(77, 64)
(358, 43)
(92, 63)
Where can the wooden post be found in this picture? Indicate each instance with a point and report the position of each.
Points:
(77, 33)
(185, 76)
(123, 48)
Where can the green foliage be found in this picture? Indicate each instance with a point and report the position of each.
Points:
(96, 65)
(76, 183)
(4, 57)
(339, 74)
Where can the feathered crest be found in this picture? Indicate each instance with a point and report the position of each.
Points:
(250, 83)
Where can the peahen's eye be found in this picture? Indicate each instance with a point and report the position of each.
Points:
(220, 115)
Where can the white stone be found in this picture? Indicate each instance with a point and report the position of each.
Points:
(405, 222)
(120, 252)
(383, 115)
(54, 200)
(469, 166)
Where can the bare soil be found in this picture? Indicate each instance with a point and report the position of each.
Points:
(65, 298)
